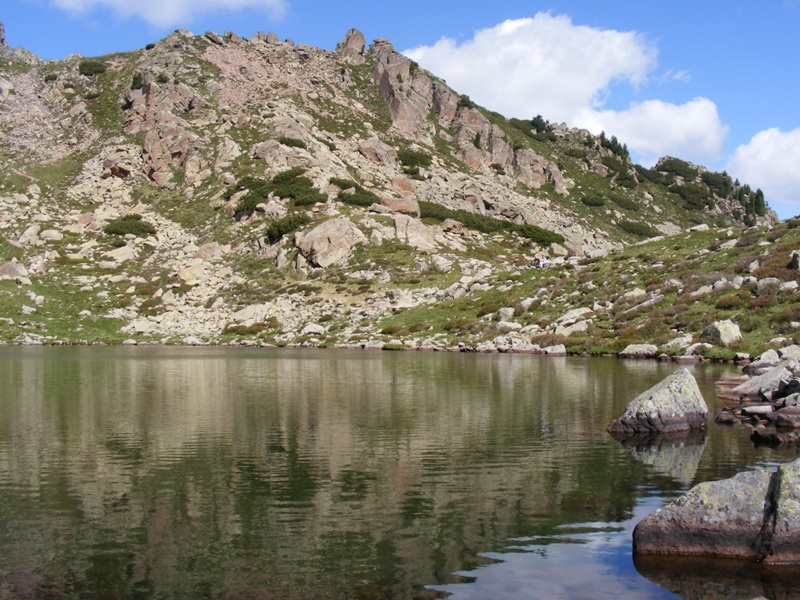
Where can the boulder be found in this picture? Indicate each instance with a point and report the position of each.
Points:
(769, 386)
(675, 404)
(763, 363)
(378, 152)
(722, 332)
(557, 350)
(405, 206)
(753, 515)
(639, 351)
(330, 242)
(794, 261)
(12, 269)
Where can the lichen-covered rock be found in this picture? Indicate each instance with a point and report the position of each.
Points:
(754, 515)
(675, 404)
(722, 332)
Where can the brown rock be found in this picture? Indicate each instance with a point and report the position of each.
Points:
(405, 206)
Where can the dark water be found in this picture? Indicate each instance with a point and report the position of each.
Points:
(186, 472)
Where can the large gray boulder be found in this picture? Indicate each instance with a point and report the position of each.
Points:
(675, 404)
(639, 351)
(330, 242)
(754, 515)
(722, 332)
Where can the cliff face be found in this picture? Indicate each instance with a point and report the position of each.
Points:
(257, 163)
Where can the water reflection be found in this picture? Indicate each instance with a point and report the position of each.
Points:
(183, 471)
(676, 455)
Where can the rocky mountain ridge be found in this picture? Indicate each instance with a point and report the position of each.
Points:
(212, 188)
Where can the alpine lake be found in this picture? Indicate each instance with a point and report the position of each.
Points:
(172, 472)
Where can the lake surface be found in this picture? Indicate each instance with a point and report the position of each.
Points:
(251, 473)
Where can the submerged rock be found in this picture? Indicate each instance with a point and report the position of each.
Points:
(675, 404)
(753, 515)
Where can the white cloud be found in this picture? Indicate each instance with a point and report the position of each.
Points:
(547, 65)
(168, 13)
(542, 65)
(770, 161)
(652, 129)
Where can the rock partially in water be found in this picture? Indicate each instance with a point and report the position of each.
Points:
(675, 404)
(754, 515)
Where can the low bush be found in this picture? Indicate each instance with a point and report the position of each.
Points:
(626, 203)
(138, 81)
(292, 142)
(50, 77)
(593, 201)
(359, 197)
(639, 229)
(484, 224)
(132, 224)
(412, 158)
(90, 68)
(287, 224)
(286, 184)
(730, 302)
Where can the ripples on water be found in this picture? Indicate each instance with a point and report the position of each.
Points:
(161, 472)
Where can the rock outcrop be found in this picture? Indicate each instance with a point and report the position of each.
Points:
(753, 515)
(673, 405)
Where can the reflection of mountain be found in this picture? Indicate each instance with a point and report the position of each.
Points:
(676, 455)
(296, 472)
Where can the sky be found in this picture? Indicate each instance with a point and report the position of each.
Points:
(714, 83)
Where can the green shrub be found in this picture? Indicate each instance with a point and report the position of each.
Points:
(292, 142)
(678, 167)
(721, 183)
(149, 46)
(50, 77)
(411, 158)
(593, 201)
(90, 68)
(465, 102)
(484, 224)
(138, 81)
(286, 184)
(132, 224)
(360, 197)
(287, 224)
(624, 202)
(639, 229)
(162, 78)
(498, 168)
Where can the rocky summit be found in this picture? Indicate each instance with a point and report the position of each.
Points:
(215, 189)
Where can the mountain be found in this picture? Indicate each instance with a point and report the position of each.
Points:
(213, 189)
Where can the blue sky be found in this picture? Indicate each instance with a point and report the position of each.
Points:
(714, 83)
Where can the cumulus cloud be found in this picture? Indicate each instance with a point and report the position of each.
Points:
(168, 13)
(547, 65)
(652, 129)
(543, 65)
(769, 161)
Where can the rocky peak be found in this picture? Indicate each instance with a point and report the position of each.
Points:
(351, 48)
